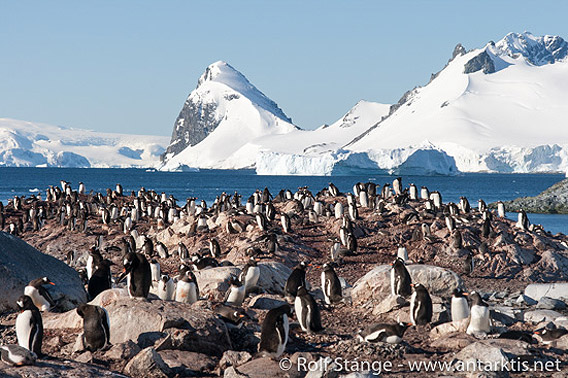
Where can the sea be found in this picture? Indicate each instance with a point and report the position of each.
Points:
(207, 184)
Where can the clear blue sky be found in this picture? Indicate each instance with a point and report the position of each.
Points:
(128, 66)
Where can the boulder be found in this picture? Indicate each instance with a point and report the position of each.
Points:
(547, 303)
(147, 363)
(193, 327)
(552, 267)
(492, 353)
(260, 368)
(375, 285)
(538, 316)
(234, 358)
(450, 327)
(186, 363)
(266, 301)
(20, 263)
(122, 351)
(556, 290)
(54, 368)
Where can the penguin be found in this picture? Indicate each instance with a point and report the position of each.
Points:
(413, 192)
(235, 295)
(297, 278)
(39, 295)
(29, 325)
(338, 210)
(450, 223)
(307, 311)
(335, 250)
(274, 330)
(162, 250)
(547, 336)
(480, 317)
(468, 264)
(16, 355)
(214, 247)
(459, 305)
(250, 274)
(138, 269)
(229, 314)
(93, 260)
(286, 224)
(464, 205)
(333, 190)
(420, 305)
(166, 288)
(424, 193)
(100, 280)
(96, 326)
(186, 290)
(397, 186)
(383, 332)
(155, 270)
(330, 285)
(400, 279)
(523, 221)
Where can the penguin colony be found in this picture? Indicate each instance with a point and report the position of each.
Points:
(276, 217)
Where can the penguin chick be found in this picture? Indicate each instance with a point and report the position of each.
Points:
(96, 326)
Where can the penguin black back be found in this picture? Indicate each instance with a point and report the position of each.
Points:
(274, 330)
(400, 279)
(297, 278)
(100, 280)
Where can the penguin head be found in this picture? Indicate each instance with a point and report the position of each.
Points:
(165, 278)
(459, 293)
(46, 281)
(25, 302)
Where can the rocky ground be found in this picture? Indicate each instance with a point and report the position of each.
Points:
(156, 338)
(553, 200)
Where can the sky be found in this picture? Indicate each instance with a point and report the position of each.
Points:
(128, 66)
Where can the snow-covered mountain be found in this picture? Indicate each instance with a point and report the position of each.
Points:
(499, 108)
(27, 144)
(221, 121)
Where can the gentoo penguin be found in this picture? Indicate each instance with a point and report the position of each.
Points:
(96, 326)
(397, 186)
(424, 193)
(420, 305)
(250, 274)
(330, 285)
(338, 210)
(155, 270)
(307, 311)
(162, 250)
(29, 325)
(235, 295)
(333, 190)
(274, 330)
(468, 264)
(214, 247)
(93, 260)
(166, 288)
(186, 290)
(413, 192)
(459, 307)
(547, 336)
(386, 333)
(16, 355)
(335, 249)
(140, 277)
(523, 221)
(100, 280)
(400, 279)
(39, 295)
(229, 314)
(480, 319)
(450, 223)
(297, 278)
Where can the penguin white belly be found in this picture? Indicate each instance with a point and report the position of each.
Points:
(302, 313)
(460, 309)
(402, 253)
(236, 296)
(41, 303)
(24, 329)
(192, 295)
(253, 274)
(412, 308)
(182, 292)
(128, 285)
(479, 320)
(155, 272)
(89, 267)
(394, 339)
(375, 336)
(283, 339)
(338, 210)
(325, 288)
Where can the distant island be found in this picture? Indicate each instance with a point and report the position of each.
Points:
(553, 200)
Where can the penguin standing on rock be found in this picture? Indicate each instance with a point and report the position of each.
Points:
(330, 285)
(250, 274)
(420, 305)
(386, 333)
(307, 311)
(96, 327)
(137, 268)
(297, 278)
(400, 279)
(166, 288)
(100, 280)
(235, 295)
(480, 318)
(39, 295)
(274, 330)
(186, 290)
(29, 325)
(459, 306)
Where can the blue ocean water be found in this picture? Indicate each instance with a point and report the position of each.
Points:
(207, 184)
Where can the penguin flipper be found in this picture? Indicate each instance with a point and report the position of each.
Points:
(44, 293)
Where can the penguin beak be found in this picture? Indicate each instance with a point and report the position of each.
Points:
(409, 324)
(466, 294)
(241, 316)
(536, 332)
(51, 283)
(411, 285)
